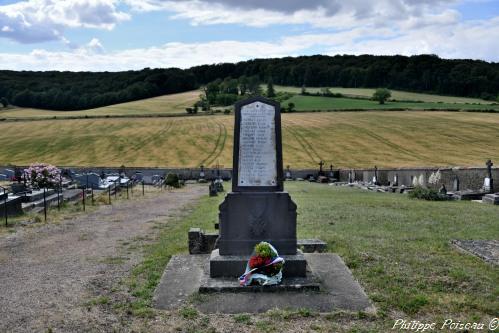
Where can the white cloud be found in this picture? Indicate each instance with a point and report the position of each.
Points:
(464, 40)
(43, 20)
(318, 13)
(95, 46)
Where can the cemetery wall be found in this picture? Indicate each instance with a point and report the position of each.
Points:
(469, 178)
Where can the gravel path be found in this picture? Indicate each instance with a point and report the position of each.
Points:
(48, 273)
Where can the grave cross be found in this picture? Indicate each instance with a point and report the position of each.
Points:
(489, 165)
(321, 164)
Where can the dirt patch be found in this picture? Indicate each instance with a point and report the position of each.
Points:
(54, 277)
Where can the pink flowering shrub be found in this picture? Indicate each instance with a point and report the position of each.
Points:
(43, 175)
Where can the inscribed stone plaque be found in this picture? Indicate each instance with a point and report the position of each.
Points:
(257, 146)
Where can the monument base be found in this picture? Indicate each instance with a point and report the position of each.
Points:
(249, 218)
(186, 275)
(234, 266)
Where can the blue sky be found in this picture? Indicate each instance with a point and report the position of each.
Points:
(131, 34)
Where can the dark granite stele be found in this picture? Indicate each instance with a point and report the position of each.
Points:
(328, 286)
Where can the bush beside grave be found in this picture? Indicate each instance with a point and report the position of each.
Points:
(173, 180)
(429, 194)
(43, 175)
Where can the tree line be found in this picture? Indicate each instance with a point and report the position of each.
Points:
(83, 90)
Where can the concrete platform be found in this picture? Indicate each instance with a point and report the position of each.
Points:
(330, 287)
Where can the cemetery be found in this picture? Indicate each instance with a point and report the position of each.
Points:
(344, 243)
(249, 166)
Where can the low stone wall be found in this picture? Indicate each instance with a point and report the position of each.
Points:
(453, 178)
(468, 178)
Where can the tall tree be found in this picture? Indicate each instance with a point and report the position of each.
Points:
(381, 95)
(270, 88)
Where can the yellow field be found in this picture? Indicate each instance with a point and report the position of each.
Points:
(345, 139)
(396, 94)
(167, 104)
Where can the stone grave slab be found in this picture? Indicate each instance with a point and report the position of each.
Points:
(487, 250)
(491, 199)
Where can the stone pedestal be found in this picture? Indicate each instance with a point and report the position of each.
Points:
(249, 218)
(234, 266)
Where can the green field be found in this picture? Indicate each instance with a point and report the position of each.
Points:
(397, 248)
(318, 103)
(345, 139)
(175, 104)
(168, 104)
(396, 94)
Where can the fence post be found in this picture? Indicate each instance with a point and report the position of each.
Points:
(93, 196)
(143, 192)
(5, 213)
(45, 203)
(109, 191)
(84, 195)
(5, 209)
(127, 191)
(115, 190)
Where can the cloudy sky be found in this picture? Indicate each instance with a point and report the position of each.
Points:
(133, 34)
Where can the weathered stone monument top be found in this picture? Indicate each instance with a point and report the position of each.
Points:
(257, 160)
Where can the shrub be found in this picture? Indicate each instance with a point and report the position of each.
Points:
(173, 180)
(381, 95)
(423, 193)
(43, 175)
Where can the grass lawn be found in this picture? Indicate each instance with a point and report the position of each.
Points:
(318, 103)
(167, 104)
(397, 248)
(344, 139)
(396, 94)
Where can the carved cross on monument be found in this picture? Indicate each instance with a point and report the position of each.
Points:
(489, 165)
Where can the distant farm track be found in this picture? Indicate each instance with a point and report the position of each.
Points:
(344, 139)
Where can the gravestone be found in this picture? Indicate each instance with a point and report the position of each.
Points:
(350, 177)
(213, 189)
(257, 209)
(9, 173)
(456, 184)
(375, 178)
(288, 173)
(201, 172)
(88, 180)
(396, 180)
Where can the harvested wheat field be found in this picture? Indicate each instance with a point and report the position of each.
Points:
(345, 139)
